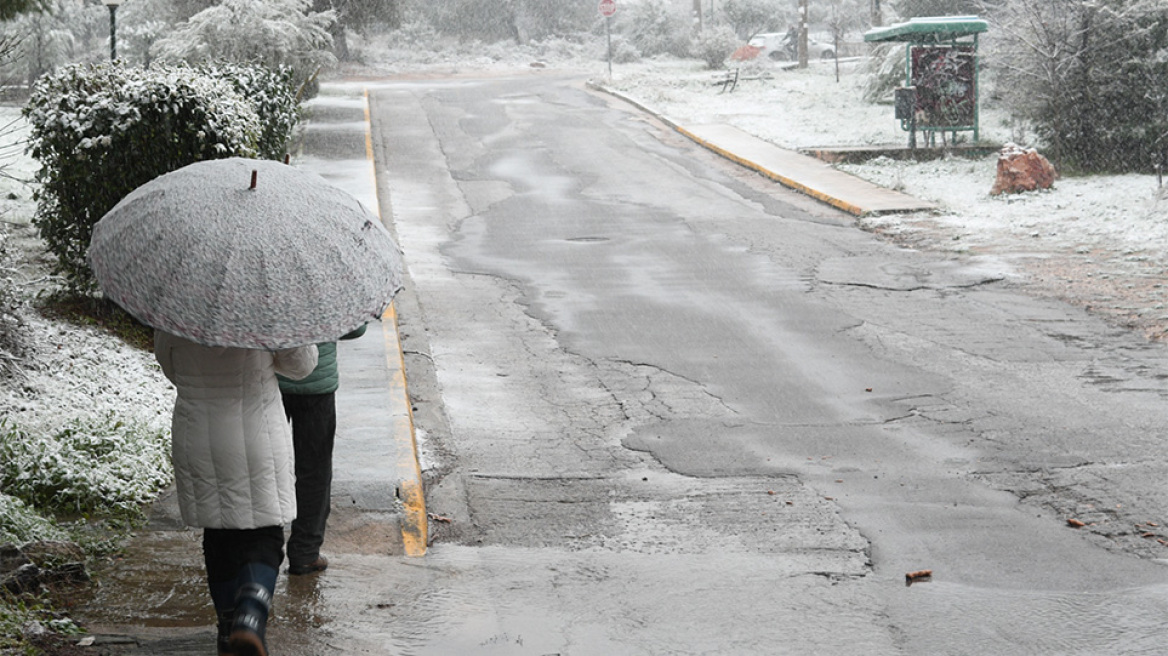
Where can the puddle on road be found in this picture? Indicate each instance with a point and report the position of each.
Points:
(462, 600)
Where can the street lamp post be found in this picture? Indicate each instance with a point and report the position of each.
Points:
(113, 7)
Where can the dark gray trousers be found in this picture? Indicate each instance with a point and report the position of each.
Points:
(314, 428)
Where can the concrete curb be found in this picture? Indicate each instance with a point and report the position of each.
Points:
(407, 470)
(811, 182)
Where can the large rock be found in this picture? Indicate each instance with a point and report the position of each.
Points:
(1022, 169)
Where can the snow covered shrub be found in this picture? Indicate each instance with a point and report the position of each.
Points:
(12, 336)
(413, 35)
(715, 46)
(1092, 76)
(273, 96)
(885, 70)
(623, 51)
(101, 131)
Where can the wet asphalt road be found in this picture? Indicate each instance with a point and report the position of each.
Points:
(747, 417)
(670, 408)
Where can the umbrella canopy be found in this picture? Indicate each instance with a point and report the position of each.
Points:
(202, 253)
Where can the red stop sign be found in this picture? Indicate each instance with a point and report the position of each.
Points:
(607, 8)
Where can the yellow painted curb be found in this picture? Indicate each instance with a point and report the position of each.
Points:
(407, 470)
(408, 473)
(850, 208)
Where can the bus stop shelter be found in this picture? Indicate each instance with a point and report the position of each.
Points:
(940, 94)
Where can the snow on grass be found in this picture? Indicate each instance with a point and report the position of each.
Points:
(85, 422)
(87, 427)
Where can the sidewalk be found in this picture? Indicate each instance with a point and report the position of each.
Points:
(153, 600)
(797, 171)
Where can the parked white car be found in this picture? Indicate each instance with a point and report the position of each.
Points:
(781, 46)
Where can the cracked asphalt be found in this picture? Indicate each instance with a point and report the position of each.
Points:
(670, 407)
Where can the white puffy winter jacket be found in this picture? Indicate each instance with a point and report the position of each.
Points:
(230, 441)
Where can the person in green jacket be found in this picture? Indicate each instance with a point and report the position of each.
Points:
(310, 404)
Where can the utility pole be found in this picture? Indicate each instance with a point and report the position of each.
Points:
(802, 33)
(877, 17)
(697, 13)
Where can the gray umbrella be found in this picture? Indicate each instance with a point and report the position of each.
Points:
(202, 253)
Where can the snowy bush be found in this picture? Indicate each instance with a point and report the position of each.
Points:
(715, 46)
(885, 69)
(273, 95)
(20, 523)
(623, 51)
(1092, 76)
(101, 131)
(277, 34)
(12, 337)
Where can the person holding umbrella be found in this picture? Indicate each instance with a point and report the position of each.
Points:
(233, 469)
(240, 282)
(310, 404)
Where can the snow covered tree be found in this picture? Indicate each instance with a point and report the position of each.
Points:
(10, 9)
(513, 20)
(916, 8)
(358, 16)
(273, 33)
(750, 17)
(654, 27)
(1092, 76)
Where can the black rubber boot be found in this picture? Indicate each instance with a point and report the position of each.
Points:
(226, 618)
(252, 603)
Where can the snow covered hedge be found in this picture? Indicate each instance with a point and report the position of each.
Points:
(100, 131)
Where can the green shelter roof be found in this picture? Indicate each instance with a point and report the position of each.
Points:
(929, 30)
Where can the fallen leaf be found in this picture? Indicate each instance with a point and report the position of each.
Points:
(1076, 523)
(917, 575)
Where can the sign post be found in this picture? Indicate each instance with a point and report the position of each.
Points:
(607, 9)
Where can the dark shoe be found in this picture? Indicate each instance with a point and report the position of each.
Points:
(318, 565)
(252, 604)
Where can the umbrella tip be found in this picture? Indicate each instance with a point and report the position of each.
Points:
(254, 175)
